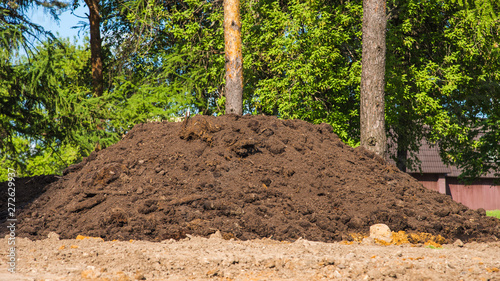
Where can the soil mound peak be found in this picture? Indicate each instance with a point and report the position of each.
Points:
(248, 177)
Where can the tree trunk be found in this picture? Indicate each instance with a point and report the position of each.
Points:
(372, 104)
(95, 46)
(96, 56)
(402, 156)
(403, 135)
(233, 56)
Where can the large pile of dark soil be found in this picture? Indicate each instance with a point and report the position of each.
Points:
(249, 177)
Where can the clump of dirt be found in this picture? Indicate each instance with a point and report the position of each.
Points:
(249, 177)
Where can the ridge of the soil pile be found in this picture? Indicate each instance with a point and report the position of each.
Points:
(249, 177)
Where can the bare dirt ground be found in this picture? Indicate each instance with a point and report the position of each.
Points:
(198, 258)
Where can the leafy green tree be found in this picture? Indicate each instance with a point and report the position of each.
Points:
(294, 66)
(38, 159)
(302, 60)
(40, 116)
(17, 31)
(20, 113)
(442, 77)
(475, 105)
(178, 53)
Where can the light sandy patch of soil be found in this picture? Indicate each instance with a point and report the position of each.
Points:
(198, 258)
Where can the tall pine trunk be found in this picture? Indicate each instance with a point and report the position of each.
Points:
(95, 46)
(372, 104)
(233, 57)
(96, 56)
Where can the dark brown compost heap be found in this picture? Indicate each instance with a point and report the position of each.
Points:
(249, 177)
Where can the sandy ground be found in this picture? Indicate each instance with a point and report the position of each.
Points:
(214, 258)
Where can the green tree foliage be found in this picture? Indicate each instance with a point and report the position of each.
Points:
(485, 12)
(302, 60)
(284, 74)
(40, 114)
(475, 104)
(17, 31)
(442, 81)
(38, 159)
(179, 46)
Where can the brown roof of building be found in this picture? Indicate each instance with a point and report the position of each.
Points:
(432, 163)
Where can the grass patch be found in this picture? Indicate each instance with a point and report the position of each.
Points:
(493, 213)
